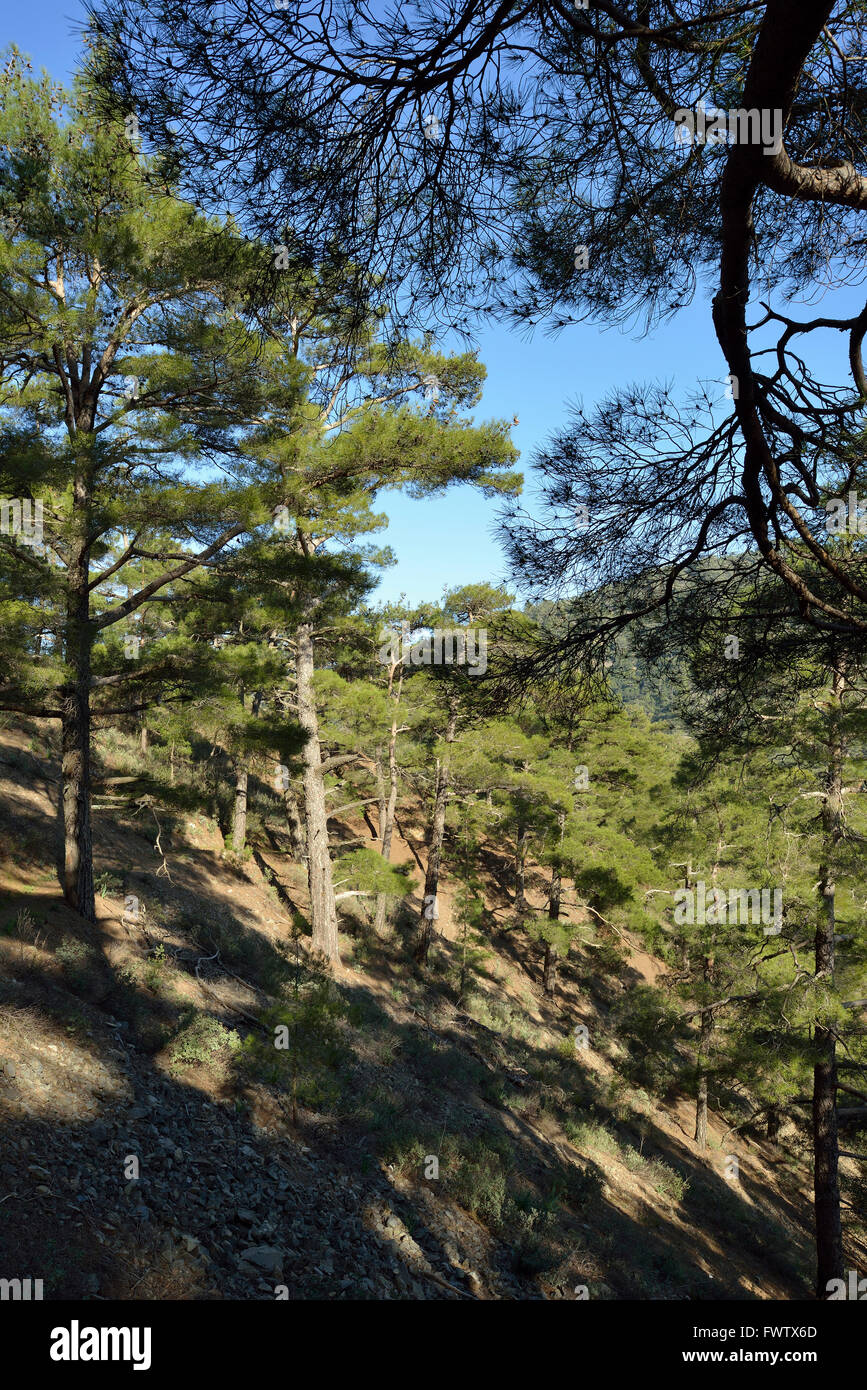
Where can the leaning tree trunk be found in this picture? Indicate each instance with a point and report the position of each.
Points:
(239, 821)
(75, 721)
(520, 866)
(323, 910)
(549, 966)
(826, 1149)
(427, 919)
(388, 820)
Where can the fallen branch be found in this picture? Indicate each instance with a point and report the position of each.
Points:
(232, 1008)
(462, 1293)
(850, 1091)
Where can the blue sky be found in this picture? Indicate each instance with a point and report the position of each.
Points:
(450, 540)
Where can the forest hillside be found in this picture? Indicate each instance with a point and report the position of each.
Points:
(434, 789)
(561, 1171)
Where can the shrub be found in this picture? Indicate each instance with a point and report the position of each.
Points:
(667, 1180)
(662, 1176)
(201, 1040)
(303, 1047)
(478, 1182)
(75, 957)
(263, 962)
(532, 1254)
(587, 1134)
(108, 885)
(154, 970)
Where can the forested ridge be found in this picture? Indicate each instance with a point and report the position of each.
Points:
(508, 944)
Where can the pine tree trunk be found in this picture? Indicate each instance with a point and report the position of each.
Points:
(297, 837)
(75, 722)
(144, 739)
(380, 793)
(379, 912)
(323, 910)
(826, 1181)
(78, 844)
(520, 862)
(549, 970)
(427, 920)
(700, 1135)
(705, 1034)
(239, 823)
(549, 966)
(388, 821)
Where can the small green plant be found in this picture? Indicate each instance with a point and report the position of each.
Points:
(202, 1039)
(72, 955)
(662, 1176)
(472, 948)
(108, 885)
(586, 1134)
(667, 1180)
(155, 969)
(478, 1181)
(302, 1049)
(126, 976)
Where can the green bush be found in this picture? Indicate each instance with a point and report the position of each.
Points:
(155, 968)
(662, 1176)
(667, 1180)
(108, 885)
(77, 959)
(532, 1254)
(202, 1039)
(478, 1182)
(303, 1048)
(588, 1134)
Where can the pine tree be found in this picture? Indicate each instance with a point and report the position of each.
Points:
(363, 434)
(761, 684)
(463, 608)
(127, 366)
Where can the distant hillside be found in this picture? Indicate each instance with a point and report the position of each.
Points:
(633, 680)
